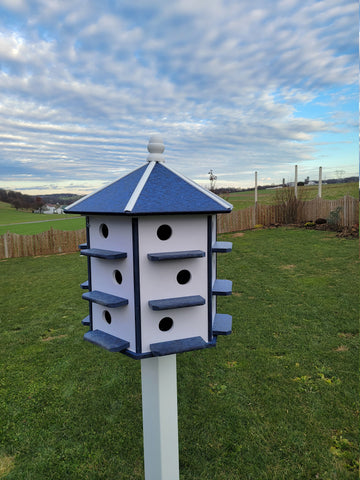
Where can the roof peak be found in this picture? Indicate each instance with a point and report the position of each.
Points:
(156, 148)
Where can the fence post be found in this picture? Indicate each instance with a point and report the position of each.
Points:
(256, 188)
(6, 251)
(345, 212)
(320, 182)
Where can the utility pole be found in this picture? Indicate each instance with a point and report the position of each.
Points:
(213, 179)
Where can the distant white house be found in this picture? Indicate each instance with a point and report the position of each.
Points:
(50, 209)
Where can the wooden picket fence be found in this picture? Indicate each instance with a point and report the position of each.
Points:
(55, 241)
(51, 242)
(307, 211)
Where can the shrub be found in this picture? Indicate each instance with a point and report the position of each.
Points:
(334, 218)
(288, 204)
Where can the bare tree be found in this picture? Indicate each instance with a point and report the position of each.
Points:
(288, 205)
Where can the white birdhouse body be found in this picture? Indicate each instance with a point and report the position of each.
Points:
(173, 278)
(151, 248)
(114, 276)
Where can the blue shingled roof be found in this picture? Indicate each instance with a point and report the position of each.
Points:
(150, 189)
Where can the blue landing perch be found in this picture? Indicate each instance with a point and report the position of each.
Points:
(178, 302)
(105, 254)
(222, 324)
(107, 341)
(105, 299)
(222, 287)
(86, 321)
(222, 247)
(179, 346)
(175, 255)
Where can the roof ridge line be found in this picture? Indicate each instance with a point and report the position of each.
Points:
(139, 187)
(211, 195)
(99, 190)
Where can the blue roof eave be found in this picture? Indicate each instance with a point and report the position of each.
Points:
(139, 213)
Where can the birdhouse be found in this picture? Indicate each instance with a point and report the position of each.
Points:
(151, 250)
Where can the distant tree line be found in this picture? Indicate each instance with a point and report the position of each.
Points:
(225, 190)
(60, 198)
(343, 180)
(21, 201)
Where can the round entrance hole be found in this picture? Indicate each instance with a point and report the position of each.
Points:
(183, 277)
(104, 230)
(165, 324)
(164, 232)
(117, 277)
(107, 317)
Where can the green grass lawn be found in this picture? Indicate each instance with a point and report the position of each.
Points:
(28, 223)
(267, 197)
(277, 399)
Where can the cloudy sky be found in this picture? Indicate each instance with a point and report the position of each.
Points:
(236, 86)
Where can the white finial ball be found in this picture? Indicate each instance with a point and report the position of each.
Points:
(156, 148)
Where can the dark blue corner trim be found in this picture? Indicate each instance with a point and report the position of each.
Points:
(105, 299)
(107, 341)
(85, 285)
(209, 276)
(178, 346)
(89, 270)
(222, 324)
(176, 255)
(178, 302)
(136, 267)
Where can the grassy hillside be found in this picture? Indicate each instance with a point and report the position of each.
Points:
(28, 223)
(275, 400)
(267, 197)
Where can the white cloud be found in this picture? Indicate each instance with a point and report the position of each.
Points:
(15, 5)
(223, 81)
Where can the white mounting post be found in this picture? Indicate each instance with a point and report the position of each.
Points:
(296, 181)
(160, 421)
